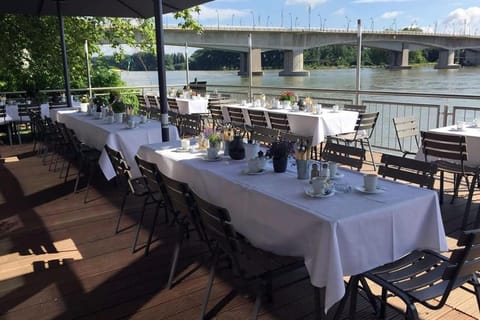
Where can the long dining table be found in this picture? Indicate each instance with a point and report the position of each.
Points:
(319, 126)
(344, 234)
(98, 132)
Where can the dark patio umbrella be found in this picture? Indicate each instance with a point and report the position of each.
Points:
(107, 8)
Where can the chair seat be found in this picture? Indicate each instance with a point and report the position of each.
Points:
(455, 167)
(352, 136)
(138, 186)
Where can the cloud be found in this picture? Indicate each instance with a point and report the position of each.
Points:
(460, 19)
(340, 12)
(391, 14)
(311, 3)
(380, 1)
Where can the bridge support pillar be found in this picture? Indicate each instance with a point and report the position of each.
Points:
(293, 64)
(399, 59)
(446, 60)
(256, 63)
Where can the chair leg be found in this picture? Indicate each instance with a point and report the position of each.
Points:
(457, 179)
(211, 277)
(468, 205)
(258, 302)
(139, 224)
(442, 175)
(124, 200)
(176, 253)
(90, 176)
(152, 229)
(319, 302)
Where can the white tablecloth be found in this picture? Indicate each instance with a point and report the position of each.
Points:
(97, 132)
(305, 123)
(191, 106)
(54, 112)
(472, 138)
(345, 234)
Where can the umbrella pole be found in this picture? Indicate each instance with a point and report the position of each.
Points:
(64, 53)
(162, 77)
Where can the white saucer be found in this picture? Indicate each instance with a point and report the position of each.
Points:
(338, 176)
(457, 130)
(362, 189)
(212, 160)
(247, 172)
(182, 150)
(309, 192)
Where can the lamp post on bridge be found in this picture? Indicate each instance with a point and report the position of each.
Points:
(233, 16)
(253, 19)
(291, 21)
(372, 26)
(218, 20)
(309, 15)
(348, 23)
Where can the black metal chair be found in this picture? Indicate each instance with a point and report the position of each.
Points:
(190, 125)
(180, 204)
(257, 118)
(414, 171)
(251, 267)
(216, 113)
(279, 121)
(137, 187)
(153, 182)
(264, 135)
(343, 154)
(450, 152)
(87, 160)
(362, 133)
(424, 277)
(406, 129)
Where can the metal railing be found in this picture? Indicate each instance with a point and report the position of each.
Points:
(432, 110)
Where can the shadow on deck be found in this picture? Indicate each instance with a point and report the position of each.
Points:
(60, 258)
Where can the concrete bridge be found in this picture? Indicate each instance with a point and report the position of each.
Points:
(294, 40)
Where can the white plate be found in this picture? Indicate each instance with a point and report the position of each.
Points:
(212, 160)
(247, 172)
(182, 150)
(338, 176)
(309, 192)
(362, 189)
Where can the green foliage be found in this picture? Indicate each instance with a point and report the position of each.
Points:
(188, 21)
(131, 99)
(211, 59)
(118, 106)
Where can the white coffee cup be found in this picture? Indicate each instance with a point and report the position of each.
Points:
(460, 125)
(318, 185)
(244, 102)
(335, 108)
(370, 182)
(332, 166)
(319, 109)
(185, 144)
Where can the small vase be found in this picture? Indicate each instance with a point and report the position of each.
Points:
(280, 164)
(236, 149)
(302, 169)
(212, 153)
(118, 117)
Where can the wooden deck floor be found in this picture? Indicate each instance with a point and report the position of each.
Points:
(60, 258)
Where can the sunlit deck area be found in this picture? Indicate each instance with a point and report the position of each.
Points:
(61, 259)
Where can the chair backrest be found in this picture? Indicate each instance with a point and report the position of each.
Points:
(215, 109)
(172, 105)
(414, 171)
(23, 111)
(151, 175)
(142, 104)
(257, 118)
(120, 165)
(293, 138)
(406, 128)
(355, 107)
(236, 117)
(445, 146)
(366, 124)
(190, 124)
(3, 112)
(344, 154)
(181, 203)
(464, 262)
(279, 121)
(218, 228)
(153, 102)
(264, 135)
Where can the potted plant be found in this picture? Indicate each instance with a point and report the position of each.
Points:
(118, 108)
(287, 98)
(214, 140)
(84, 102)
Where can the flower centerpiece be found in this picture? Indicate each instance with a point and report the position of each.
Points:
(287, 96)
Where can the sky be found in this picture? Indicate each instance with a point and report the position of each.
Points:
(441, 16)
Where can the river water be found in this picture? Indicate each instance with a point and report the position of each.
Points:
(423, 79)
